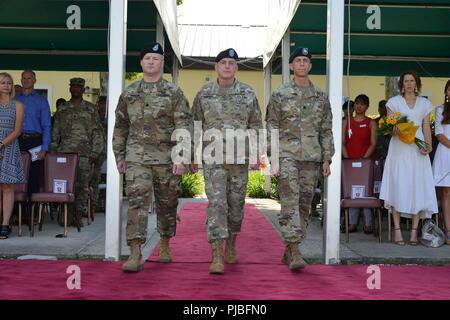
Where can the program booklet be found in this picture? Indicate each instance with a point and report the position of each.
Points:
(34, 153)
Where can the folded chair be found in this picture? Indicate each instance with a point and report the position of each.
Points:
(357, 190)
(60, 171)
(21, 190)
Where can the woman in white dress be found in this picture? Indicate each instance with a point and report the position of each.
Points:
(408, 187)
(441, 163)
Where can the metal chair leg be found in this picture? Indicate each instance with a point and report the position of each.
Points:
(20, 219)
(389, 226)
(65, 219)
(346, 224)
(41, 216)
(32, 220)
(380, 229)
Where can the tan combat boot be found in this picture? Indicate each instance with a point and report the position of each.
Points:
(286, 257)
(135, 263)
(164, 252)
(217, 266)
(295, 258)
(230, 249)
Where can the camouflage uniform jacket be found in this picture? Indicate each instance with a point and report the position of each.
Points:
(304, 119)
(222, 108)
(146, 116)
(78, 129)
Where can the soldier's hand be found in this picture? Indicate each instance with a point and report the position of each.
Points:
(122, 166)
(178, 169)
(326, 169)
(193, 167)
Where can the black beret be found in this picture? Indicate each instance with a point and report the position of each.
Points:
(303, 52)
(152, 48)
(228, 53)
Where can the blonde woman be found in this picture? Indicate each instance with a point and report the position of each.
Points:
(11, 168)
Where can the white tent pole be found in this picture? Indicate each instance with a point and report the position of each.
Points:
(286, 52)
(335, 58)
(160, 33)
(159, 30)
(267, 94)
(117, 55)
(175, 71)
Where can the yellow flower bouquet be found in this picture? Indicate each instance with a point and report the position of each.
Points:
(407, 129)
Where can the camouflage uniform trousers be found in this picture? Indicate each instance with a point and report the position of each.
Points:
(140, 183)
(95, 181)
(84, 173)
(297, 183)
(225, 187)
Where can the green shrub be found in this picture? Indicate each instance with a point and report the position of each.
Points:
(274, 188)
(255, 185)
(192, 184)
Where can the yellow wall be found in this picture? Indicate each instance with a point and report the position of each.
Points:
(58, 81)
(192, 80)
(373, 87)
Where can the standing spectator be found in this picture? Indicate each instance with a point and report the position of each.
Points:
(59, 103)
(226, 104)
(382, 141)
(302, 114)
(96, 175)
(359, 144)
(18, 89)
(36, 130)
(441, 163)
(78, 129)
(382, 110)
(347, 109)
(408, 187)
(11, 168)
(147, 114)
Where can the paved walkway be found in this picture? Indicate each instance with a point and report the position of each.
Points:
(89, 243)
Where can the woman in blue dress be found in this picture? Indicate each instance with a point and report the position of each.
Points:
(11, 167)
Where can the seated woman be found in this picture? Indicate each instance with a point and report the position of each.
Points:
(359, 141)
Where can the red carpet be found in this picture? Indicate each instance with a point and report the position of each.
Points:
(259, 276)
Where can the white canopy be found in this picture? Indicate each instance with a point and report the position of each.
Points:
(168, 12)
(281, 14)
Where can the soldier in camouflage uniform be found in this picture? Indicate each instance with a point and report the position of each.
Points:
(77, 129)
(226, 104)
(302, 114)
(98, 203)
(147, 114)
